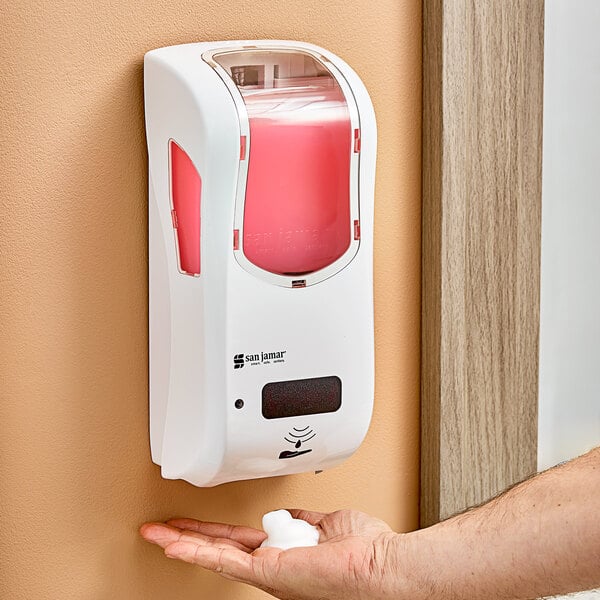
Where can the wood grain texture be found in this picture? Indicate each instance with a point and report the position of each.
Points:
(482, 145)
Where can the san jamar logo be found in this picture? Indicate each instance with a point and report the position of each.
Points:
(262, 358)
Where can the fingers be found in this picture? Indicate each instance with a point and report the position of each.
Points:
(218, 555)
(160, 534)
(223, 555)
(163, 535)
(311, 517)
(227, 561)
(249, 537)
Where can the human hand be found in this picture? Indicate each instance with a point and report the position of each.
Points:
(357, 555)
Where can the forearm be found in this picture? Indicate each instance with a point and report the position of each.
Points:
(541, 538)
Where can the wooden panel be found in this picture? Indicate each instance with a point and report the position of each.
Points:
(482, 128)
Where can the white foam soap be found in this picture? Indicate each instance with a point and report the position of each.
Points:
(285, 532)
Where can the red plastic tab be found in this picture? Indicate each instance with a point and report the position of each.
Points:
(357, 230)
(243, 147)
(357, 140)
(236, 239)
(186, 191)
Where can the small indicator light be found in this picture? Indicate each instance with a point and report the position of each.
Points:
(236, 239)
(357, 230)
(243, 147)
(357, 140)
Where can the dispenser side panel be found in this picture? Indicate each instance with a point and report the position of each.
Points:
(185, 104)
(159, 326)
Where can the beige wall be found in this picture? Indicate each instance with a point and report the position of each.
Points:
(76, 478)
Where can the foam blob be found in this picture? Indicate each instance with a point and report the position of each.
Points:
(285, 532)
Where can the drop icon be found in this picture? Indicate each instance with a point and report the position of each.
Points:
(297, 437)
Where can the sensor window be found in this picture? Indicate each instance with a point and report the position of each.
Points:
(301, 397)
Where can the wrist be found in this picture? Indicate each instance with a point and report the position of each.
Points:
(396, 562)
(414, 570)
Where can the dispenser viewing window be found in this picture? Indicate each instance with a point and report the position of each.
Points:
(261, 177)
(296, 208)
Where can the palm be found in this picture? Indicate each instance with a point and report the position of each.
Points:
(347, 563)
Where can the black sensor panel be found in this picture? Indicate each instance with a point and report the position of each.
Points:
(301, 397)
